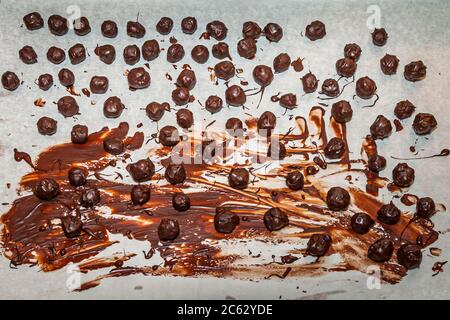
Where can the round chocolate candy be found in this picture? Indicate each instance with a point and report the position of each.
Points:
(409, 256)
(225, 222)
(361, 222)
(79, 134)
(318, 245)
(217, 30)
(47, 126)
(72, 226)
(90, 198)
(238, 178)
(288, 101)
(181, 96)
(263, 75)
(56, 55)
(109, 29)
(381, 128)
(247, 48)
(169, 136)
(46, 189)
(365, 88)
(155, 110)
(273, 32)
(224, 70)
(150, 50)
(315, 30)
(168, 230)
(58, 25)
(309, 82)
(187, 79)
(352, 51)
(335, 148)
(189, 25)
(140, 194)
(175, 173)
(135, 29)
(45, 81)
(106, 53)
(404, 109)
(425, 207)
(403, 175)
(77, 53)
(346, 67)
(113, 107)
(68, 106)
(175, 53)
(389, 214)
(10, 81)
(81, 26)
(113, 146)
(77, 176)
(185, 118)
(213, 104)
(251, 29)
(342, 111)
(381, 250)
(200, 54)
(181, 201)
(295, 180)
(376, 163)
(275, 219)
(164, 25)
(266, 123)
(234, 127)
(66, 77)
(99, 84)
(281, 62)
(131, 54)
(33, 21)
(220, 50)
(389, 64)
(330, 88)
(138, 78)
(28, 55)
(415, 71)
(338, 199)
(142, 170)
(379, 37)
(235, 96)
(424, 123)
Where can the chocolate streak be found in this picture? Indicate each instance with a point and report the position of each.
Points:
(32, 232)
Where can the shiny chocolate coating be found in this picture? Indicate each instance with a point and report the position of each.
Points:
(295, 180)
(135, 29)
(77, 53)
(415, 71)
(352, 51)
(404, 109)
(346, 67)
(72, 226)
(187, 79)
(273, 32)
(185, 118)
(175, 173)
(47, 126)
(131, 54)
(180, 96)
(403, 175)
(79, 134)
(266, 123)
(214, 104)
(234, 127)
(106, 53)
(309, 82)
(389, 214)
(77, 176)
(330, 88)
(335, 148)
(68, 106)
(33, 21)
(99, 84)
(224, 70)
(109, 29)
(181, 201)
(45, 81)
(342, 111)
(379, 37)
(113, 107)
(376, 163)
(425, 207)
(113, 146)
(164, 25)
(155, 110)
(169, 136)
(275, 219)
(338, 199)
(247, 48)
(28, 55)
(409, 256)
(381, 128)
(217, 30)
(225, 222)
(263, 75)
(140, 194)
(56, 55)
(168, 230)
(46, 189)
(189, 25)
(150, 50)
(424, 123)
(58, 25)
(389, 64)
(251, 29)
(90, 198)
(200, 54)
(235, 96)
(138, 78)
(381, 250)
(315, 30)
(318, 245)
(361, 222)
(288, 101)
(10, 81)
(281, 62)
(175, 53)
(365, 88)
(81, 26)
(238, 178)
(220, 51)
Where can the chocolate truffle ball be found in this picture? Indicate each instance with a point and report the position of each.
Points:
(135, 29)
(106, 53)
(131, 54)
(77, 176)
(315, 30)
(10, 81)
(189, 25)
(288, 101)
(46, 189)
(318, 244)
(214, 104)
(424, 123)
(425, 207)
(275, 219)
(403, 175)
(330, 88)
(72, 226)
(309, 82)
(335, 148)
(273, 32)
(238, 178)
(109, 29)
(381, 128)
(140, 194)
(277, 151)
(200, 54)
(185, 118)
(168, 230)
(187, 79)
(295, 180)
(66, 77)
(169, 136)
(389, 214)
(90, 198)
(180, 96)
(338, 199)
(342, 111)
(404, 109)
(175, 53)
(251, 29)
(266, 123)
(381, 250)
(379, 37)
(361, 222)
(58, 25)
(235, 96)
(234, 126)
(113, 107)
(175, 173)
(220, 50)
(281, 62)
(68, 106)
(155, 110)
(99, 84)
(79, 134)
(409, 256)
(181, 201)
(346, 67)
(77, 54)
(365, 88)
(28, 55)
(224, 70)
(376, 163)
(45, 81)
(150, 50)
(217, 30)
(56, 55)
(263, 75)
(138, 78)
(164, 25)
(415, 71)
(113, 146)
(225, 222)
(352, 51)
(81, 26)
(247, 48)
(142, 170)
(47, 126)
(33, 21)
(389, 64)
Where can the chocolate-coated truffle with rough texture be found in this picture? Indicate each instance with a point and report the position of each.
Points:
(281, 62)
(187, 79)
(295, 180)
(169, 136)
(275, 219)
(389, 64)
(79, 134)
(342, 111)
(225, 222)
(330, 88)
(381, 128)
(56, 55)
(409, 256)
(90, 198)
(238, 178)
(251, 29)
(189, 25)
(175, 53)
(214, 104)
(309, 82)
(263, 75)
(424, 123)
(315, 30)
(404, 109)
(181, 201)
(140, 194)
(45, 81)
(175, 173)
(415, 71)
(113, 146)
(68, 106)
(131, 54)
(10, 81)
(247, 48)
(381, 250)
(150, 50)
(33, 21)
(346, 67)
(389, 214)
(81, 26)
(425, 207)
(28, 55)
(58, 25)
(266, 123)
(77, 53)
(109, 29)
(220, 51)
(379, 37)
(155, 110)
(352, 51)
(338, 199)
(234, 126)
(46, 189)
(217, 30)
(181, 96)
(113, 107)
(72, 226)
(318, 245)
(164, 25)
(185, 118)
(335, 148)
(376, 163)
(106, 53)
(168, 230)
(135, 29)
(200, 54)
(403, 175)
(273, 32)
(142, 170)
(138, 78)
(99, 84)
(47, 126)
(224, 70)
(365, 88)
(288, 101)
(77, 176)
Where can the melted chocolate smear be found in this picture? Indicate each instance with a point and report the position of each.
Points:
(443, 153)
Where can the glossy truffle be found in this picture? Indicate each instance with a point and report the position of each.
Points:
(275, 219)
(381, 128)
(403, 175)
(338, 199)
(68, 106)
(113, 107)
(318, 244)
(424, 123)
(415, 71)
(238, 178)
(315, 30)
(235, 96)
(138, 78)
(389, 64)
(56, 55)
(389, 214)
(379, 37)
(47, 126)
(217, 30)
(273, 32)
(200, 54)
(381, 250)
(342, 111)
